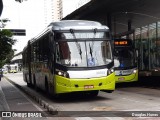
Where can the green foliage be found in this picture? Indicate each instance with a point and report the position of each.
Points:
(6, 42)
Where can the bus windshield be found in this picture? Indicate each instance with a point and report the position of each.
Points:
(83, 53)
(124, 57)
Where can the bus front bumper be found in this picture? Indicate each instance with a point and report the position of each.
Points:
(127, 78)
(66, 85)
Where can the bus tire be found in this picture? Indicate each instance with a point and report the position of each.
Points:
(35, 84)
(46, 86)
(28, 84)
(107, 91)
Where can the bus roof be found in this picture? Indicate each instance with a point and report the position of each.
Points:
(76, 24)
(70, 24)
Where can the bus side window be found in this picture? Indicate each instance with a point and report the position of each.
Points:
(41, 50)
(46, 48)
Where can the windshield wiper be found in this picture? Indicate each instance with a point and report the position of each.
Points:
(91, 46)
(79, 49)
(77, 44)
(90, 50)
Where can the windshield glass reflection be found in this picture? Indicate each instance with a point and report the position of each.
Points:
(124, 58)
(83, 53)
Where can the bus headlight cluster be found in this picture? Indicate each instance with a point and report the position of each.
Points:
(62, 73)
(134, 71)
(110, 71)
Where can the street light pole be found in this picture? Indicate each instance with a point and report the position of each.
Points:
(1, 7)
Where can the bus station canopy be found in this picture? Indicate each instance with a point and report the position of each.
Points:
(139, 12)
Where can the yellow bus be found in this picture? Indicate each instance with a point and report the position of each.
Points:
(125, 61)
(13, 68)
(70, 56)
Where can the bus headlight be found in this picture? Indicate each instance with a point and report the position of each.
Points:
(62, 73)
(134, 71)
(110, 71)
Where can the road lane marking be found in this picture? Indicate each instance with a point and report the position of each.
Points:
(83, 118)
(114, 118)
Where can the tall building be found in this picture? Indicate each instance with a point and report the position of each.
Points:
(52, 11)
(47, 11)
(57, 10)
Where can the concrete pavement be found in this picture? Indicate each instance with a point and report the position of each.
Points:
(12, 99)
(3, 103)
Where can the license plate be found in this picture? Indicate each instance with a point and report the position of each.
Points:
(88, 86)
(121, 78)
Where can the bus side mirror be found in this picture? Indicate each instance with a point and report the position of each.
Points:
(136, 54)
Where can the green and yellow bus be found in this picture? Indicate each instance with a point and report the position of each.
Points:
(125, 61)
(70, 56)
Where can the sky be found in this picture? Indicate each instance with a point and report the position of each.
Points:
(69, 6)
(29, 15)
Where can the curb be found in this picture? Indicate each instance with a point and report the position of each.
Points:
(41, 102)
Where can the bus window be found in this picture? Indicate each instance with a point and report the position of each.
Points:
(63, 52)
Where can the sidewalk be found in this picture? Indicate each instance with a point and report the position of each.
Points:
(3, 104)
(12, 99)
(16, 81)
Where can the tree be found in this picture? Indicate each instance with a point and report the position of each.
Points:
(6, 42)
